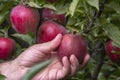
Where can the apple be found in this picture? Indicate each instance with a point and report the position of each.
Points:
(51, 1)
(7, 47)
(49, 14)
(49, 30)
(112, 52)
(24, 19)
(73, 44)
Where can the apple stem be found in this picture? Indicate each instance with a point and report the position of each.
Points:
(25, 1)
(5, 34)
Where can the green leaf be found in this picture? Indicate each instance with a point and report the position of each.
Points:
(114, 33)
(24, 37)
(115, 6)
(73, 7)
(2, 77)
(34, 70)
(49, 6)
(35, 5)
(93, 3)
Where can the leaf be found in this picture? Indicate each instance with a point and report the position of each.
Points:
(49, 6)
(72, 7)
(24, 37)
(114, 33)
(115, 6)
(34, 70)
(93, 3)
(35, 5)
(2, 77)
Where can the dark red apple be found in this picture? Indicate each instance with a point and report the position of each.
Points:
(49, 14)
(73, 44)
(51, 1)
(49, 30)
(112, 52)
(24, 19)
(7, 47)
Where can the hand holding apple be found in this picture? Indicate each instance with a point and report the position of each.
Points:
(38, 53)
(73, 44)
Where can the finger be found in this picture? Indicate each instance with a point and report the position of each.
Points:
(65, 69)
(85, 61)
(49, 46)
(74, 65)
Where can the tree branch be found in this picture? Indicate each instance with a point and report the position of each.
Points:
(96, 15)
(100, 64)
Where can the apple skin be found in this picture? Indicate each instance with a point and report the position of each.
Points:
(7, 47)
(112, 52)
(49, 30)
(24, 19)
(73, 44)
(49, 14)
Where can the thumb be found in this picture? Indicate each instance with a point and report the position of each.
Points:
(49, 46)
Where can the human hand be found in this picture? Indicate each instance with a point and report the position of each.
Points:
(39, 53)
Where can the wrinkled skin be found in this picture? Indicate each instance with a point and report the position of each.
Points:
(56, 70)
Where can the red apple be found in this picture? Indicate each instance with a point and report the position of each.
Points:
(24, 19)
(112, 52)
(49, 30)
(49, 14)
(73, 44)
(7, 47)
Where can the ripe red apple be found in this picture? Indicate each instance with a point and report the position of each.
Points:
(112, 52)
(73, 44)
(7, 47)
(49, 30)
(49, 14)
(24, 19)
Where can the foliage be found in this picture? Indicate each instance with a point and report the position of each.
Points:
(97, 20)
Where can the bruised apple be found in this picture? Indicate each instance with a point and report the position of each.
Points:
(24, 19)
(49, 14)
(112, 52)
(73, 44)
(7, 47)
(49, 30)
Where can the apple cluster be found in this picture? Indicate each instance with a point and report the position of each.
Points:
(25, 19)
(48, 24)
